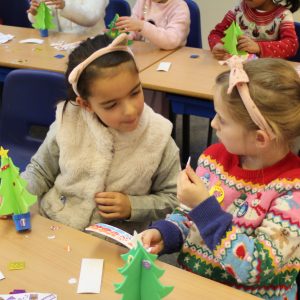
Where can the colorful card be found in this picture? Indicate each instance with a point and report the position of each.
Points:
(114, 233)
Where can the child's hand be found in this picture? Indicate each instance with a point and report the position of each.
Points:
(113, 205)
(191, 190)
(245, 43)
(152, 238)
(34, 4)
(125, 24)
(59, 4)
(219, 52)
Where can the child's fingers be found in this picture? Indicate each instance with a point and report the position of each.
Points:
(192, 175)
(122, 19)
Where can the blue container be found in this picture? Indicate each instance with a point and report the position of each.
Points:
(44, 32)
(22, 221)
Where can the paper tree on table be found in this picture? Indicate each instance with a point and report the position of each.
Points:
(15, 199)
(231, 39)
(43, 19)
(113, 32)
(141, 276)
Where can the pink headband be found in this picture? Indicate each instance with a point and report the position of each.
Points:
(239, 78)
(118, 44)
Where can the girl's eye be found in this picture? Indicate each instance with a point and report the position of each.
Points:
(110, 106)
(135, 93)
(221, 120)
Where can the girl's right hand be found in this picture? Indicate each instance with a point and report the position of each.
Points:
(219, 52)
(152, 239)
(34, 4)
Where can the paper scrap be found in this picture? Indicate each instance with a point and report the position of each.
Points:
(90, 276)
(72, 280)
(164, 66)
(30, 296)
(16, 265)
(5, 37)
(63, 46)
(1, 276)
(31, 41)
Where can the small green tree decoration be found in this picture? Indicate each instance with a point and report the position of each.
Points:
(15, 199)
(141, 276)
(230, 39)
(113, 32)
(43, 18)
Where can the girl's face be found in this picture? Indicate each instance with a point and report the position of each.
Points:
(265, 5)
(117, 99)
(235, 138)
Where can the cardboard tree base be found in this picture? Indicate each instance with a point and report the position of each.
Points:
(22, 221)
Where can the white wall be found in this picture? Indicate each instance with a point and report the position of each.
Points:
(210, 15)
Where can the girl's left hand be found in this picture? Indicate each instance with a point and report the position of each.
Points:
(125, 24)
(191, 190)
(59, 4)
(245, 43)
(113, 205)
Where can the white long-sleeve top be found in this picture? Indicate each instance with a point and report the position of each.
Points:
(79, 16)
(166, 25)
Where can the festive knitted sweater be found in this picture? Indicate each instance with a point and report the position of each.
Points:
(274, 31)
(251, 240)
(166, 25)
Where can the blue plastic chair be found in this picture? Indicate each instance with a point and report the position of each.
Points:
(297, 56)
(14, 13)
(28, 109)
(185, 105)
(114, 7)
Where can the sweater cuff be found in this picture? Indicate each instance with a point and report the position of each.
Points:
(211, 221)
(171, 235)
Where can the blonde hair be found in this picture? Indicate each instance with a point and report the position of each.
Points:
(274, 86)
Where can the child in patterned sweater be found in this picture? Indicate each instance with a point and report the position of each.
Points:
(268, 27)
(243, 225)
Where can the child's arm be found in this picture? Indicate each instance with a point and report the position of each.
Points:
(255, 259)
(43, 168)
(287, 43)
(217, 33)
(170, 37)
(84, 13)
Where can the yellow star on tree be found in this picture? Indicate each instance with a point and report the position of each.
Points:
(3, 152)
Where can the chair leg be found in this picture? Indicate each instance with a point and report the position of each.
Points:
(172, 118)
(209, 134)
(185, 138)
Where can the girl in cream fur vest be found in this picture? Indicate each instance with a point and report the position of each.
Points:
(108, 157)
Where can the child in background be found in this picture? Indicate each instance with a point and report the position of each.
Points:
(74, 16)
(164, 23)
(243, 228)
(268, 27)
(107, 157)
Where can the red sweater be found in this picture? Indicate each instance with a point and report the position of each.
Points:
(274, 31)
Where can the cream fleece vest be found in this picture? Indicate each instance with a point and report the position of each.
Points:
(94, 158)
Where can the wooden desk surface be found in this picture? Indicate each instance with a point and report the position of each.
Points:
(49, 266)
(194, 77)
(35, 56)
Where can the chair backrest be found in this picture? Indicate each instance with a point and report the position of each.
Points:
(28, 109)
(297, 56)
(14, 12)
(114, 7)
(194, 38)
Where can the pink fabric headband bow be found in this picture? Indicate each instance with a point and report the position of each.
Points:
(239, 78)
(118, 44)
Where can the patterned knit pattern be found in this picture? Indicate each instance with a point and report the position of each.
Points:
(251, 241)
(274, 31)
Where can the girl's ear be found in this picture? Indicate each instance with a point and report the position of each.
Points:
(262, 139)
(84, 104)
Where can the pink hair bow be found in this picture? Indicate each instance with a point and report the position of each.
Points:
(239, 78)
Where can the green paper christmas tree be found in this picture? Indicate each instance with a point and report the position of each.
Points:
(141, 276)
(15, 199)
(230, 39)
(113, 32)
(43, 18)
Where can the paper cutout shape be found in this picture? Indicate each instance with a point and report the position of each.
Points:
(230, 39)
(15, 199)
(164, 66)
(30, 296)
(141, 276)
(113, 32)
(114, 233)
(5, 37)
(31, 41)
(43, 18)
